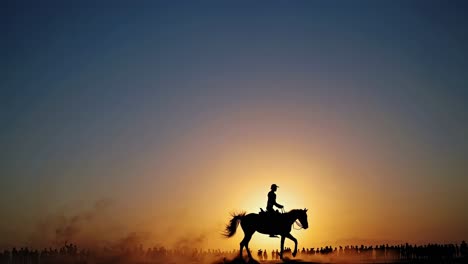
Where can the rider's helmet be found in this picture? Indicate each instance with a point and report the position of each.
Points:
(274, 186)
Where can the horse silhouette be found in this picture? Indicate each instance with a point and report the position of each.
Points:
(266, 223)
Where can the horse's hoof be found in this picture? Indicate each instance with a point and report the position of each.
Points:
(294, 254)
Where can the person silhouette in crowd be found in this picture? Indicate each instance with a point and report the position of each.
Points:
(464, 249)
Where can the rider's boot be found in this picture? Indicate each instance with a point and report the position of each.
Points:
(273, 235)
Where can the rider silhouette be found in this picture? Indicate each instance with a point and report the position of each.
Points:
(272, 202)
(272, 199)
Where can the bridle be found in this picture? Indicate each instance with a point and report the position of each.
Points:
(297, 222)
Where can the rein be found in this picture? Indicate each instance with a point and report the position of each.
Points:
(297, 223)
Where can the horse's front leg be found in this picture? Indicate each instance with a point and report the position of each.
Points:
(295, 244)
(282, 246)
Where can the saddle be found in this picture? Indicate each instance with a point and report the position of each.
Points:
(269, 213)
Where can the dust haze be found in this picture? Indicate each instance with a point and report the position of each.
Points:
(84, 236)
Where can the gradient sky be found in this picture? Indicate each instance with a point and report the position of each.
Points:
(159, 119)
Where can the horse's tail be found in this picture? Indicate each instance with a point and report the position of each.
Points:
(231, 227)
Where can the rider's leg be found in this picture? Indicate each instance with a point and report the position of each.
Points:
(271, 215)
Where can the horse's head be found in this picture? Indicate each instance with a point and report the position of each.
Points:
(302, 217)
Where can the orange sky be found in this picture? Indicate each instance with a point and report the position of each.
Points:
(355, 193)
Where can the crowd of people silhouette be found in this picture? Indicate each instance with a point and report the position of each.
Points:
(69, 253)
(393, 252)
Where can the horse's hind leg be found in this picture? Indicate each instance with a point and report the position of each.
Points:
(245, 242)
(241, 247)
(282, 246)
